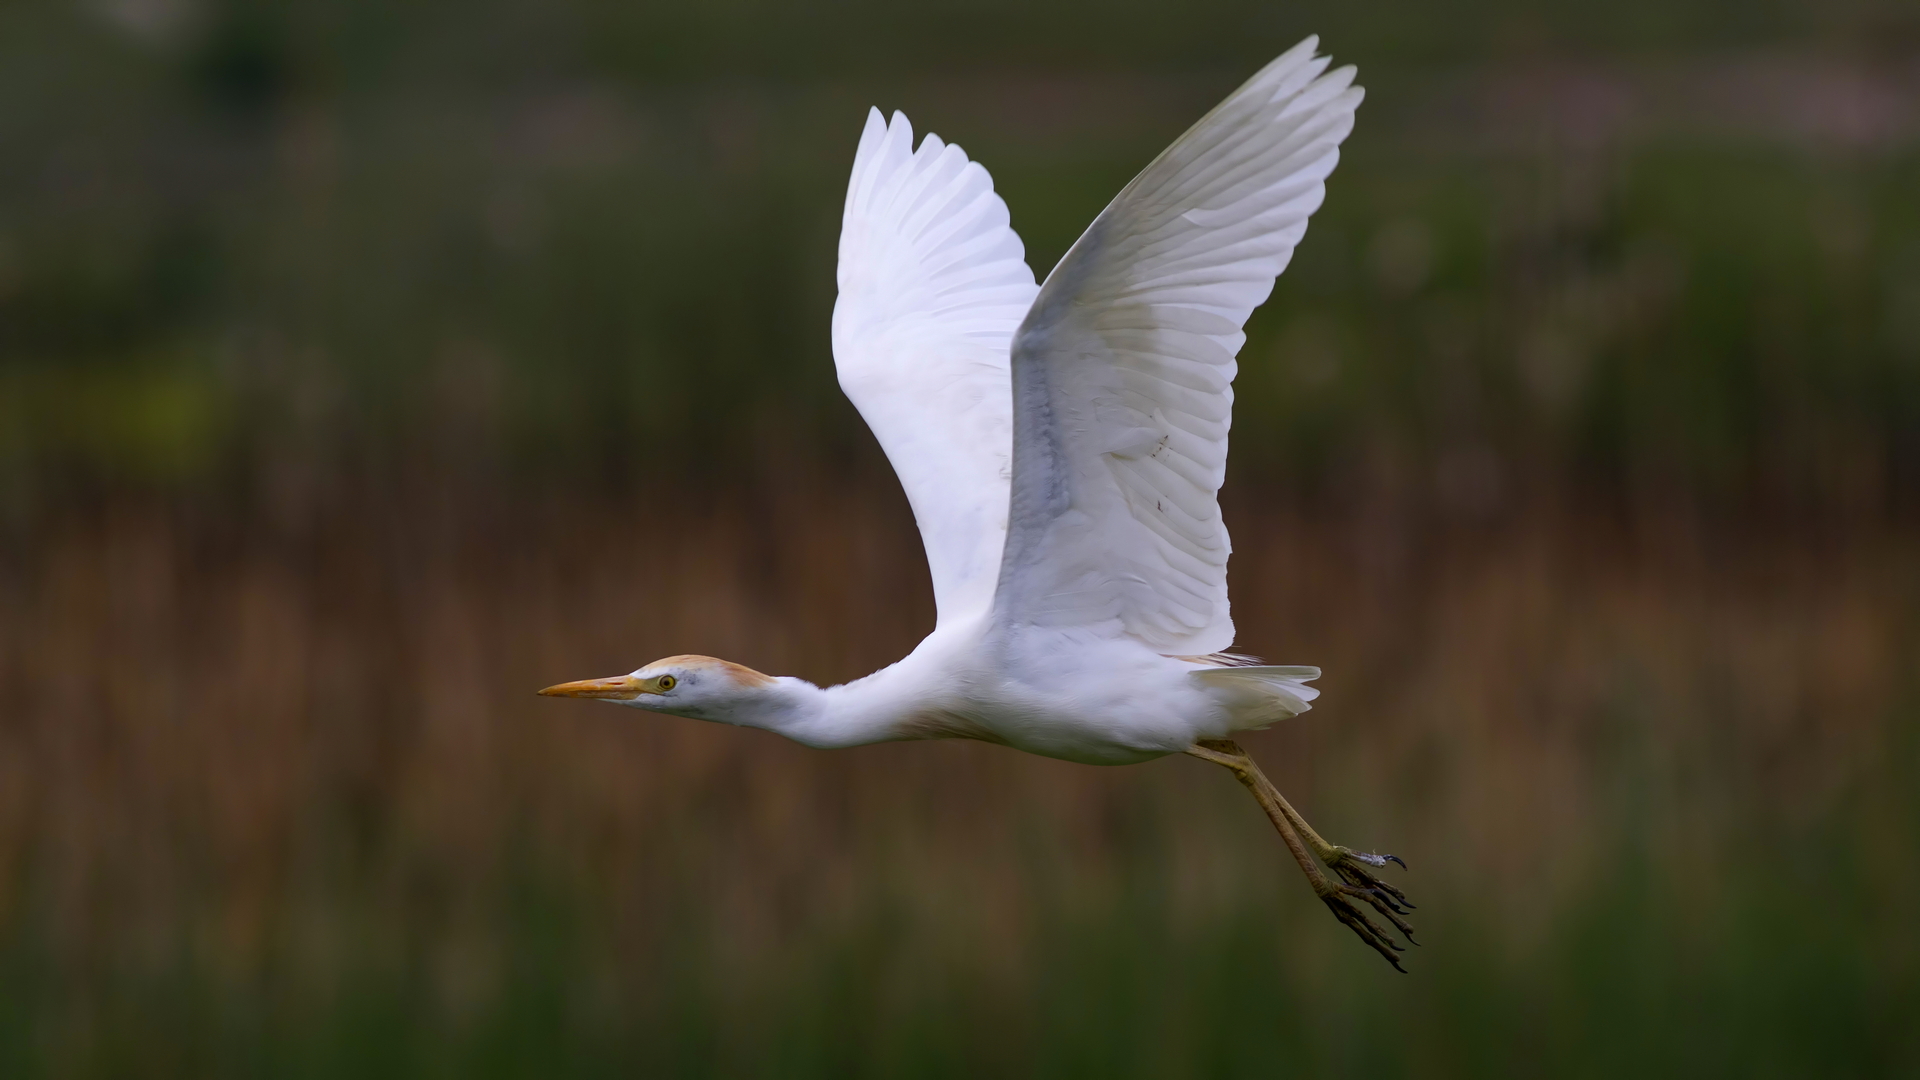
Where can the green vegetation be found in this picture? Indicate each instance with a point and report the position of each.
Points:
(1660, 253)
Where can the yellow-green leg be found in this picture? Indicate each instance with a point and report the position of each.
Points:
(1353, 867)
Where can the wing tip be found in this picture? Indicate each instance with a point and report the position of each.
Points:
(1308, 52)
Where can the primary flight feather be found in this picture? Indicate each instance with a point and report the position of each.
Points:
(1062, 446)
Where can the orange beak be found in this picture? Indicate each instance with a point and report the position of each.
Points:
(617, 688)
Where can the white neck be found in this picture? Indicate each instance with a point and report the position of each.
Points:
(864, 711)
(878, 708)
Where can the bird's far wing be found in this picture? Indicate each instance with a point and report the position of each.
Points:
(1123, 371)
(933, 283)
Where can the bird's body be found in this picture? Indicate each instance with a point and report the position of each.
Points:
(1096, 702)
(1062, 446)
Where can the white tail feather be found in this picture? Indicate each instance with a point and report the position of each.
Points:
(1258, 696)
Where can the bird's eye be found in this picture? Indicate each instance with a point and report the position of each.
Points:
(668, 682)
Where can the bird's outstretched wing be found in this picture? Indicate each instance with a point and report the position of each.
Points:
(1123, 371)
(933, 283)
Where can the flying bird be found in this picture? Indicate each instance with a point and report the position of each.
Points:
(1062, 445)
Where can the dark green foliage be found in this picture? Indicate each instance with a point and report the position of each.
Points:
(572, 236)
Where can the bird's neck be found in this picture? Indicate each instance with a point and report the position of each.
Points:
(852, 714)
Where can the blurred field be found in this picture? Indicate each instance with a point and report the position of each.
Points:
(363, 369)
(279, 801)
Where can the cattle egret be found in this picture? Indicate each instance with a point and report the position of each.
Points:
(1062, 446)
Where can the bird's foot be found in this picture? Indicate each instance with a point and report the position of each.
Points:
(1341, 899)
(1357, 882)
(1356, 869)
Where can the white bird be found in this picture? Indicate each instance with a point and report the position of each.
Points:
(1062, 446)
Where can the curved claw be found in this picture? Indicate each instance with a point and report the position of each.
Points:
(1390, 902)
(1356, 881)
(1370, 858)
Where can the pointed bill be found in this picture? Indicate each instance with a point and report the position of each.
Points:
(617, 688)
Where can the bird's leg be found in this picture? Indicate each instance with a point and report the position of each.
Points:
(1356, 882)
(1354, 867)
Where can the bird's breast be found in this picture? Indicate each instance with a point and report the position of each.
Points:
(942, 723)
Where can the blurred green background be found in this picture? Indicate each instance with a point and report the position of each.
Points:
(364, 367)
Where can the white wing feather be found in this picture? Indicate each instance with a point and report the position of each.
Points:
(1122, 373)
(933, 283)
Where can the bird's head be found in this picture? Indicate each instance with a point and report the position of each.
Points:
(699, 687)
